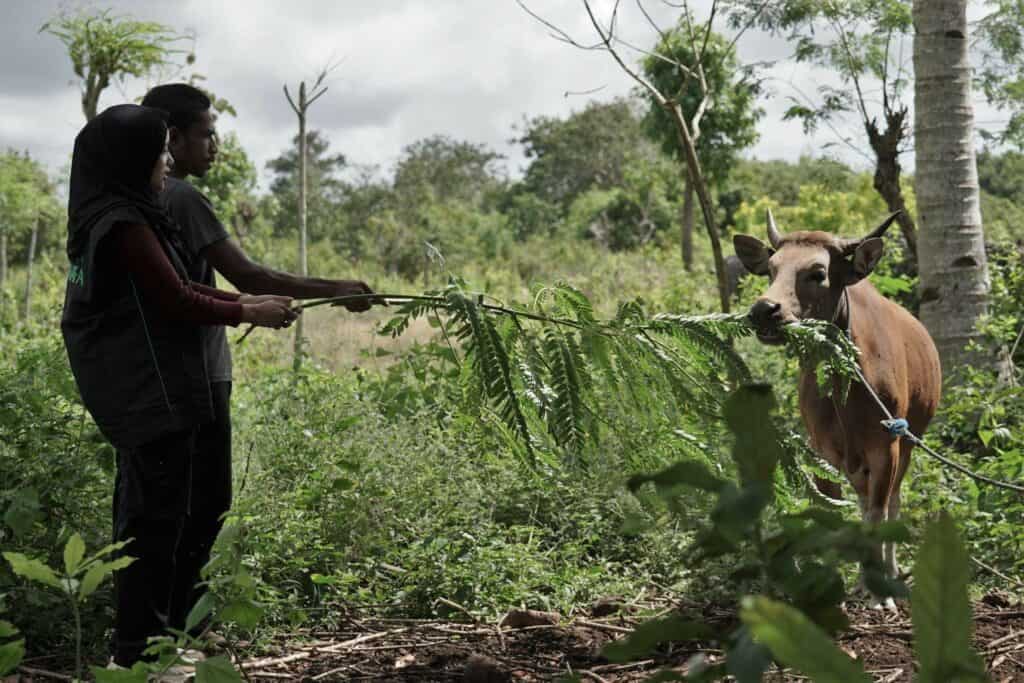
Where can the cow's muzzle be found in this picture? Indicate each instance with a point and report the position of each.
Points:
(766, 315)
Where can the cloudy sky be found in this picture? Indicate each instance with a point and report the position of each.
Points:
(407, 69)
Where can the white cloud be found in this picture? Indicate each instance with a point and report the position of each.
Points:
(408, 69)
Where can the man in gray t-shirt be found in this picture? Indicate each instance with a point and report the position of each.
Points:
(193, 144)
(201, 227)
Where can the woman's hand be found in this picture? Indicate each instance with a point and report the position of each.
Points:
(274, 313)
(246, 299)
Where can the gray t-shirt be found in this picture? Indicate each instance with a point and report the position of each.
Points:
(201, 228)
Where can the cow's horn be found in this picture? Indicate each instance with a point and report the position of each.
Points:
(850, 246)
(882, 227)
(774, 236)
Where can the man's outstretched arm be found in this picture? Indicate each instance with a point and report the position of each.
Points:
(228, 259)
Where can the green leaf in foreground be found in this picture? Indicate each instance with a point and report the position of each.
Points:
(74, 551)
(941, 609)
(35, 570)
(216, 670)
(796, 642)
(11, 655)
(137, 674)
(649, 634)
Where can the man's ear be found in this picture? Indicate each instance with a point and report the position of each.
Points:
(865, 258)
(175, 137)
(753, 253)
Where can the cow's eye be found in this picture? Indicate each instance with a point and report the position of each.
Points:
(817, 276)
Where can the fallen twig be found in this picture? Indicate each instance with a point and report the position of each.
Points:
(33, 671)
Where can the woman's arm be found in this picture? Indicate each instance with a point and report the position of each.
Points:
(136, 248)
(214, 293)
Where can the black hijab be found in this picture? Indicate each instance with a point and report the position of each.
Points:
(110, 177)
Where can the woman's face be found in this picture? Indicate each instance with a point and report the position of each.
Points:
(164, 164)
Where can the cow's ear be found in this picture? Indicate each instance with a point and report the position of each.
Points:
(753, 253)
(865, 258)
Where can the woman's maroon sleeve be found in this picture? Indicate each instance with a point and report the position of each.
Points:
(137, 250)
(213, 292)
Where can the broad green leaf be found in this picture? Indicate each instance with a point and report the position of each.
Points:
(202, 609)
(748, 414)
(7, 629)
(245, 613)
(646, 636)
(216, 670)
(74, 551)
(941, 609)
(107, 550)
(682, 473)
(98, 572)
(33, 569)
(24, 511)
(11, 655)
(796, 642)
(139, 673)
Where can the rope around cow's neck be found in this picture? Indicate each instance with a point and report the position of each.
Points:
(899, 427)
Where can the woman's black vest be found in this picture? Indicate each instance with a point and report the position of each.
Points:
(141, 376)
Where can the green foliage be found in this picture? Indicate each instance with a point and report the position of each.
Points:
(12, 648)
(1000, 74)
(588, 150)
(797, 642)
(941, 610)
(26, 200)
(440, 169)
(105, 46)
(323, 186)
(78, 580)
(729, 122)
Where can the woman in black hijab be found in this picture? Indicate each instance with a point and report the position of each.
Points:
(131, 328)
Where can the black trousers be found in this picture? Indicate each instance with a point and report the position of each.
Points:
(169, 496)
(211, 498)
(151, 501)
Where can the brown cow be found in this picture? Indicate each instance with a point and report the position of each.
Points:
(816, 275)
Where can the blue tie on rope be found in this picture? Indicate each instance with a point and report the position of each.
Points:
(897, 426)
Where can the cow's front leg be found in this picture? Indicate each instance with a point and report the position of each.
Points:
(892, 567)
(883, 474)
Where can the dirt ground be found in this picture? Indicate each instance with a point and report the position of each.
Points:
(372, 649)
(368, 648)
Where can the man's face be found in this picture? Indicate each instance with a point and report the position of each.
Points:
(195, 148)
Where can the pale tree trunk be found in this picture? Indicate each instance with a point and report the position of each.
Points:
(951, 244)
(306, 98)
(686, 237)
(33, 240)
(303, 263)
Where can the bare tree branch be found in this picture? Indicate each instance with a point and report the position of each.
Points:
(291, 102)
(584, 92)
(557, 33)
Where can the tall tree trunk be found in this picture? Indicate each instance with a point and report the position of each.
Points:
(686, 238)
(90, 97)
(28, 268)
(303, 264)
(951, 253)
(700, 185)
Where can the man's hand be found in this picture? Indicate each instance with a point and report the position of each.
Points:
(355, 287)
(275, 314)
(262, 298)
